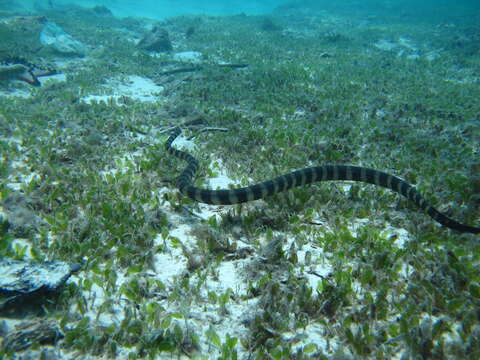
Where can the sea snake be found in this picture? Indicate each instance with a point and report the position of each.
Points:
(299, 178)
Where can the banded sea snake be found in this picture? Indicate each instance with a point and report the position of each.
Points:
(303, 177)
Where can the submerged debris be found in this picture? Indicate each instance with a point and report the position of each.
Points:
(23, 280)
(18, 72)
(14, 68)
(193, 68)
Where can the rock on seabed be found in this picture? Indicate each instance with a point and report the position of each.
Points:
(22, 279)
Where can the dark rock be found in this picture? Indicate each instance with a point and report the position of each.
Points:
(156, 40)
(31, 333)
(24, 281)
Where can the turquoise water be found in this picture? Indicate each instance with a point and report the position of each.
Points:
(159, 9)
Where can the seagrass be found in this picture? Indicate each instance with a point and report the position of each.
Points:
(303, 177)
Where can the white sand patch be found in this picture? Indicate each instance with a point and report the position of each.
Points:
(134, 87)
(408, 43)
(402, 236)
(188, 56)
(386, 45)
(314, 335)
(221, 179)
(45, 80)
(406, 47)
(97, 297)
(226, 280)
(182, 143)
(229, 279)
(172, 263)
(313, 264)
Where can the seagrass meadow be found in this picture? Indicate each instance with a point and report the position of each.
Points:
(331, 270)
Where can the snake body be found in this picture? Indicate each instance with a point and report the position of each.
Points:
(303, 177)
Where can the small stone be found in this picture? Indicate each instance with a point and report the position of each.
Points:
(188, 56)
